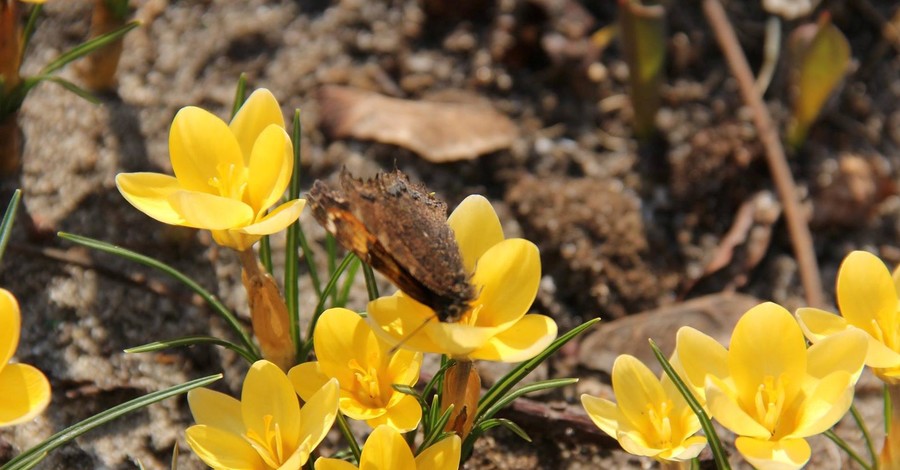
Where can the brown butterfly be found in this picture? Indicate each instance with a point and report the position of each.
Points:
(400, 229)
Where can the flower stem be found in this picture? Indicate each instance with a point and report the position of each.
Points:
(890, 453)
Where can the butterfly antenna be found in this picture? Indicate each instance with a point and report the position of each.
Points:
(413, 333)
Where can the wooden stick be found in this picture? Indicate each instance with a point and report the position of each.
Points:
(801, 239)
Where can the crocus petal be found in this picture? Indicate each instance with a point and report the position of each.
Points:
(200, 145)
(403, 416)
(635, 386)
(276, 220)
(404, 367)
(457, 340)
(604, 413)
(755, 353)
(201, 210)
(351, 405)
(258, 112)
(25, 391)
(827, 403)
(216, 409)
(524, 340)
(443, 455)
(634, 441)
(507, 276)
(268, 394)
(699, 354)
(385, 448)
(844, 351)
(400, 318)
(270, 168)
(689, 449)
(10, 326)
(866, 292)
(337, 338)
(307, 379)
(723, 406)
(817, 324)
(334, 464)
(786, 454)
(319, 413)
(476, 227)
(221, 449)
(149, 193)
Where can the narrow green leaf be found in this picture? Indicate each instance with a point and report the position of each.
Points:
(291, 262)
(530, 388)
(87, 47)
(348, 282)
(371, 283)
(210, 299)
(436, 432)
(192, 341)
(846, 448)
(348, 436)
(712, 438)
(9, 217)
(513, 377)
(240, 94)
(331, 251)
(495, 422)
(174, 465)
(27, 459)
(867, 438)
(320, 307)
(75, 89)
(118, 8)
(406, 389)
(265, 253)
(29, 26)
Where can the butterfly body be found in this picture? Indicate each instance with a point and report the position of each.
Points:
(401, 230)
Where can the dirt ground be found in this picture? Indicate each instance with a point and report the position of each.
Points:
(622, 229)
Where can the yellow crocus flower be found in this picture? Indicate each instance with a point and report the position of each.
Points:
(768, 388)
(266, 429)
(868, 300)
(347, 349)
(505, 273)
(24, 390)
(651, 418)
(227, 176)
(385, 449)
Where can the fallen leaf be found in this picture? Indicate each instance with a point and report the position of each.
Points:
(438, 131)
(714, 314)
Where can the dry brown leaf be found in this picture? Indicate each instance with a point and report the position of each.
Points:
(439, 132)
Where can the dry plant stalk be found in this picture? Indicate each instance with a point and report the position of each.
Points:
(268, 313)
(99, 69)
(801, 239)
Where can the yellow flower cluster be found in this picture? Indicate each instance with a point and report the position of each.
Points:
(227, 176)
(772, 390)
(769, 388)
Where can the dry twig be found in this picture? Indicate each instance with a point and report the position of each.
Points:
(801, 239)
